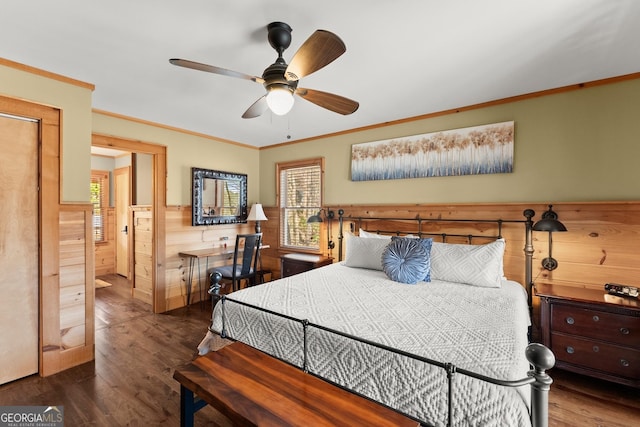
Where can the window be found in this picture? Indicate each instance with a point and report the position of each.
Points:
(300, 196)
(100, 201)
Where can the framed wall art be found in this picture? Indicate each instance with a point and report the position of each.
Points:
(484, 149)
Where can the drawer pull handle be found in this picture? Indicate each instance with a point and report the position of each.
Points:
(596, 318)
(570, 320)
(624, 363)
(624, 331)
(570, 350)
(596, 349)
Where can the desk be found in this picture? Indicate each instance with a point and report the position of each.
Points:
(194, 261)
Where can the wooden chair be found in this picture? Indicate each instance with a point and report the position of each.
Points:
(245, 261)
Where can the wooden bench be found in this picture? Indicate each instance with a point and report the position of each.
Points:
(253, 389)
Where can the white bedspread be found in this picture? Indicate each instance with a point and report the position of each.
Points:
(483, 330)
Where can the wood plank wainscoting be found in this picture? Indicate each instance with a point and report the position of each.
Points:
(182, 236)
(601, 245)
(143, 270)
(68, 339)
(105, 252)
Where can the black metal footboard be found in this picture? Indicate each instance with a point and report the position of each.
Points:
(540, 358)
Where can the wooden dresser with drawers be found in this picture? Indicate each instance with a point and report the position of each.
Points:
(591, 332)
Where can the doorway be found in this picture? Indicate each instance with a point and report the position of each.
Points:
(122, 184)
(51, 355)
(157, 208)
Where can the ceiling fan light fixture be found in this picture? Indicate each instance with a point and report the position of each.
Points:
(280, 99)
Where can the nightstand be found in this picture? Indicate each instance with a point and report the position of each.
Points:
(299, 263)
(591, 332)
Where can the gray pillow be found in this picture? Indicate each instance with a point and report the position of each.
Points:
(476, 265)
(363, 252)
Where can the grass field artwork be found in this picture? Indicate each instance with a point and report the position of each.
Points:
(484, 149)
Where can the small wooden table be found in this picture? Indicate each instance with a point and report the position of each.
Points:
(295, 263)
(252, 388)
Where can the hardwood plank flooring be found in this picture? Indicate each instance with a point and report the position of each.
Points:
(130, 382)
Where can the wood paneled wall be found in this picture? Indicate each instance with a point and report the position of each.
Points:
(182, 236)
(105, 252)
(602, 243)
(74, 342)
(142, 253)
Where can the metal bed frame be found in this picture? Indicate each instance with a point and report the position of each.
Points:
(540, 357)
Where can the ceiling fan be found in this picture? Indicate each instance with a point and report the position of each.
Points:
(281, 80)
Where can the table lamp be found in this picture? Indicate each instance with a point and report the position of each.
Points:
(257, 214)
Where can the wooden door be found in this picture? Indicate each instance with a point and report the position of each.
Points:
(122, 190)
(19, 237)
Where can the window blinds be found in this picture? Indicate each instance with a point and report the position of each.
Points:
(300, 197)
(99, 200)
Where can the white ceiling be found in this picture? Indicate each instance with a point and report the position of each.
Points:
(107, 152)
(404, 58)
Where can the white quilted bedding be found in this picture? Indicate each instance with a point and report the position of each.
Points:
(483, 330)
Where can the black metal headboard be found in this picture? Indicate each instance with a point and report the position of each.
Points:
(416, 226)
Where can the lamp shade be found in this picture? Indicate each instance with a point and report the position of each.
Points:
(256, 213)
(549, 224)
(315, 218)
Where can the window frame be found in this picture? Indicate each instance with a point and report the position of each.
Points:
(311, 210)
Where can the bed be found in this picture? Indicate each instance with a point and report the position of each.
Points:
(445, 345)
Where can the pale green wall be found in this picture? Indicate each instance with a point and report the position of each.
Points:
(75, 103)
(185, 151)
(144, 179)
(581, 145)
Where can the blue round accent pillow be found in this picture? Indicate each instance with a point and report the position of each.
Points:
(405, 261)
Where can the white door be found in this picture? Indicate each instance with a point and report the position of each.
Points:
(19, 264)
(122, 192)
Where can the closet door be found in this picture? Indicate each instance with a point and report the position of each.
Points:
(19, 278)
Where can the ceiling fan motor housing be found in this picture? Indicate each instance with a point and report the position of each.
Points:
(279, 36)
(273, 76)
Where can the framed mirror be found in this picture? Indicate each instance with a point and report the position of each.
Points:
(218, 197)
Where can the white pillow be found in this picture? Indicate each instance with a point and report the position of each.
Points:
(364, 252)
(367, 234)
(477, 265)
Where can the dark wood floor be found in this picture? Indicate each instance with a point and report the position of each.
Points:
(130, 382)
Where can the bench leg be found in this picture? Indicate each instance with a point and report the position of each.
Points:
(189, 405)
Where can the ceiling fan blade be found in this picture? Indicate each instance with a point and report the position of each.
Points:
(319, 50)
(257, 108)
(213, 69)
(335, 103)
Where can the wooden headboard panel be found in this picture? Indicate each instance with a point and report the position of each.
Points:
(602, 243)
(471, 230)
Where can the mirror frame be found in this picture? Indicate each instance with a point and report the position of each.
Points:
(198, 175)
